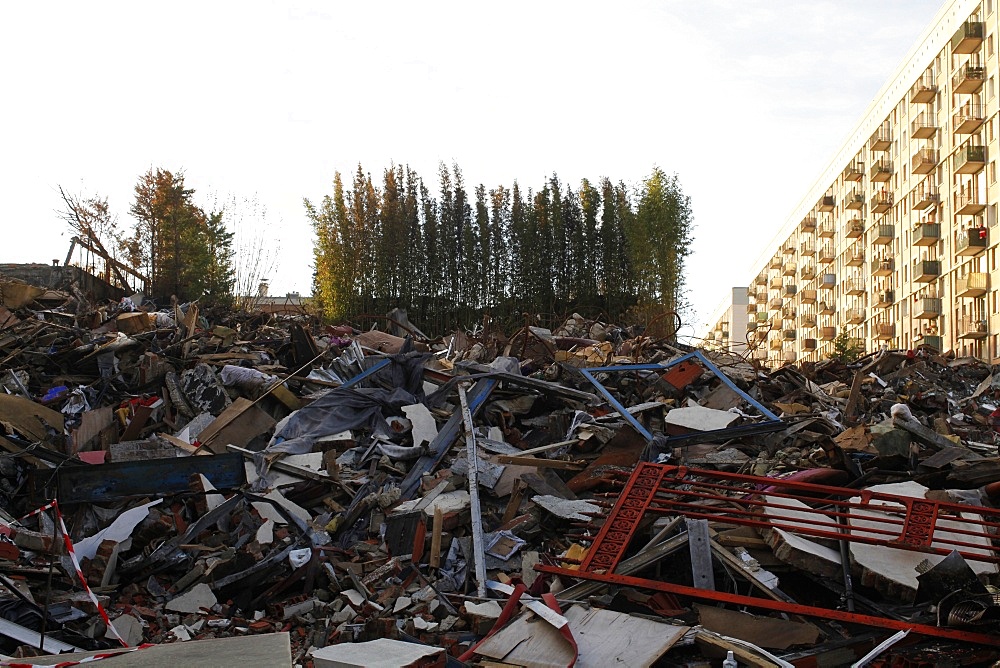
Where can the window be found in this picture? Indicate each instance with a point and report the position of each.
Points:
(991, 89)
(989, 45)
(991, 215)
(993, 172)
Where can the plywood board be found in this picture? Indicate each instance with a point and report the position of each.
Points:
(604, 638)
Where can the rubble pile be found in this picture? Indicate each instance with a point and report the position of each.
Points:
(183, 488)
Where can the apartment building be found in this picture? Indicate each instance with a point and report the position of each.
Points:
(896, 243)
(728, 323)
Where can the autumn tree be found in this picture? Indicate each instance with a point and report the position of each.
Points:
(186, 252)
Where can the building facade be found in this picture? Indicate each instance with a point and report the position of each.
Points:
(896, 243)
(728, 324)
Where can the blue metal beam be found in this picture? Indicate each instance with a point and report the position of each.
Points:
(771, 424)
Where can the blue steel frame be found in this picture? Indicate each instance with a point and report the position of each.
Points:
(773, 423)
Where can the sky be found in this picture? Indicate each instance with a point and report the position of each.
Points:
(261, 102)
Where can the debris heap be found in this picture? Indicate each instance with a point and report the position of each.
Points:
(198, 488)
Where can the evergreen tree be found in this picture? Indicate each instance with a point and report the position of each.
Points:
(587, 244)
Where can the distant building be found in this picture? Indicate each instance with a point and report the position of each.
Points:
(291, 304)
(728, 324)
(895, 244)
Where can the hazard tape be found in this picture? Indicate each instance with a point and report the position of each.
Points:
(54, 504)
(89, 659)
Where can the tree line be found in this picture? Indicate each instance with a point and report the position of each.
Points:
(453, 256)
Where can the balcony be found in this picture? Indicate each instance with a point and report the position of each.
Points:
(972, 327)
(927, 308)
(807, 320)
(975, 284)
(789, 356)
(924, 126)
(968, 38)
(924, 195)
(807, 249)
(968, 79)
(760, 355)
(924, 89)
(855, 286)
(826, 255)
(775, 304)
(788, 313)
(761, 278)
(854, 171)
(931, 341)
(855, 316)
(751, 325)
(775, 283)
(854, 200)
(809, 344)
(788, 334)
(761, 296)
(972, 241)
(789, 269)
(827, 203)
(881, 202)
(884, 331)
(968, 203)
(807, 296)
(854, 228)
(788, 248)
(761, 317)
(826, 308)
(881, 170)
(881, 140)
(855, 256)
(924, 161)
(926, 234)
(826, 229)
(883, 267)
(809, 224)
(884, 299)
(926, 271)
(751, 307)
(807, 272)
(883, 235)
(774, 323)
(827, 333)
(774, 344)
(968, 118)
(970, 159)
(827, 281)
(789, 290)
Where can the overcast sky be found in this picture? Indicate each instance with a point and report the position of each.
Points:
(746, 101)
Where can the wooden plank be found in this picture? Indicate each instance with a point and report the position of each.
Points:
(700, 547)
(135, 426)
(183, 445)
(237, 425)
(290, 469)
(435, 558)
(540, 463)
(479, 551)
(852, 400)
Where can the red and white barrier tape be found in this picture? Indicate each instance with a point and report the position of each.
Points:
(76, 564)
